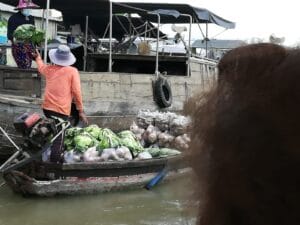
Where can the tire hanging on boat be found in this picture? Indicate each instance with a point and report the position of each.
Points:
(162, 92)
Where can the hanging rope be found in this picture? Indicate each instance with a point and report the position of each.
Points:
(203, 35)
(11, 141)
(219, 33)
(121, 24)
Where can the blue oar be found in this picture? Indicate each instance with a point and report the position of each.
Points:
(155, 180)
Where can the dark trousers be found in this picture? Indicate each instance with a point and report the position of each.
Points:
(57, 145)
(51, 114)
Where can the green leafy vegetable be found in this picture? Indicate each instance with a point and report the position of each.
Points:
(38, 37)
(162, 152)
(108, 139)
(69, 144)
(73, 131)
(28, 33)
(93, 130)
(128, 139)
(168, 152)
(154, 152)
(3, 22)
(83, 141)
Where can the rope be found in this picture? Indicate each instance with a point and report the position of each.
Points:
(219, 33)
(11, 135)
(11, 141)
(203, 35)
(121, 24)
(106, 30)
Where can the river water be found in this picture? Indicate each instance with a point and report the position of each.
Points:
(166, 204)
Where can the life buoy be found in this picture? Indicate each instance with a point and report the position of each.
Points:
(162, 93)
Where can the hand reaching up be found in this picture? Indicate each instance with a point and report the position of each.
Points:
(35, 54)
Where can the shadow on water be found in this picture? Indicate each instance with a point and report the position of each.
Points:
(166, 204)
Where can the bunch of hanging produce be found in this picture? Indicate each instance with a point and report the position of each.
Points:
(95, 144)
(163, 130)
(28, 33)
(26, 37)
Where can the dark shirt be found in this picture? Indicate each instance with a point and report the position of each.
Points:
(16, 20)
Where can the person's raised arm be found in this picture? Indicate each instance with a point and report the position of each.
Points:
(40, 64)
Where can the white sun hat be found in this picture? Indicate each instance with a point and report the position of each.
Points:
(62, 56)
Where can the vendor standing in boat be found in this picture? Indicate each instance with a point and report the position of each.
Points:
(23, 16)
(62, 83)
(62, 87)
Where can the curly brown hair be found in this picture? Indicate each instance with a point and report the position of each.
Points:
(246, 139)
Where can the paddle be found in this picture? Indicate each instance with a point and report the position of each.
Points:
(155, 180)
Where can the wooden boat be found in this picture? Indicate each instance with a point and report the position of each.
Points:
(48, 179)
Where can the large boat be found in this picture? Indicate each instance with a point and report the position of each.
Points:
(118, 76)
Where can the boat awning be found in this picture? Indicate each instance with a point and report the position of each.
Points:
(73, 10)
(170, 13)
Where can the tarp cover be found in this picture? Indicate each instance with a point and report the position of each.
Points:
(74, 12)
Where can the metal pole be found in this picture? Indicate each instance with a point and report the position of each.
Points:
(11, 141)
(146, 30)
(85, 42)
(206, 39)
(16, 154)
(190, 50)
(110, 37)
(157, 46)
(189, 43)
(46, 31)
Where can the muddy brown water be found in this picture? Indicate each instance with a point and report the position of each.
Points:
(166, 204)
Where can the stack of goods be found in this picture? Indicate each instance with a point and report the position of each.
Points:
(25, 38)
(152, 135)
(162, 130)
(95, 144)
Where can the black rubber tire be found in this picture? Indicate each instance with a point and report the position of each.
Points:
(162, 93)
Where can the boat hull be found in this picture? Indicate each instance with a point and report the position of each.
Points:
(50, 179)
(25, 185)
